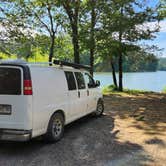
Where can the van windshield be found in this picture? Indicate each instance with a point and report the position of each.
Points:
(10, 81)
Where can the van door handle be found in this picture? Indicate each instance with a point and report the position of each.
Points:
(79, 94)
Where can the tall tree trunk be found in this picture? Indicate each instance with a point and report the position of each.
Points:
(91, 61)
(120, 72)
(120, 56)
(114, 75)
(75, 44)
(92, 45)
(72, 10)
(51, 53)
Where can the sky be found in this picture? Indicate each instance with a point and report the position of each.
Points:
(160, 39)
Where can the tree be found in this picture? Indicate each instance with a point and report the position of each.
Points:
(38, 17)
(13, 32)
(162, 9)
(107, 49)
(125, 22)
(90, 14)
(72, 8)
(93, 14)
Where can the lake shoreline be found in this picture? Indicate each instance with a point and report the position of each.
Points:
(147, 81)
(132, 71)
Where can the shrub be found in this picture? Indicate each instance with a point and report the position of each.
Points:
(112, 88)
(109, 89)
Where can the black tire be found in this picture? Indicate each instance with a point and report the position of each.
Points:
(55, 129)
(99, 109)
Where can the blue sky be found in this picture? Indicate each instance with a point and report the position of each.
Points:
(160, 39)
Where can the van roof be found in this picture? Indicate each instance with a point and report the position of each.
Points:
(20, 62)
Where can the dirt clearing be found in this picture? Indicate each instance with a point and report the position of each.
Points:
(140, 119)
(131, 133)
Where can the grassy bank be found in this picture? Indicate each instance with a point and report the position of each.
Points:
(111, 89)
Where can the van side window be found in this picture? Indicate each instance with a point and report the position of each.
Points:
(90, 81)
(80, 80)
(70, 80)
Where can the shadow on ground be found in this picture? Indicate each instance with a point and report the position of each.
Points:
(88, 141)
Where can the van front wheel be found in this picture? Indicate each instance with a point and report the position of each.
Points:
(55, 128)
(100, 108)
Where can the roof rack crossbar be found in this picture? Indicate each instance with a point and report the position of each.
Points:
(40, 63)
(74, 65)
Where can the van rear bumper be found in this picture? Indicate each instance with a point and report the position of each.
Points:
(15, 135)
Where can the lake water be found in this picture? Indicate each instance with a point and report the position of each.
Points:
(150, 81)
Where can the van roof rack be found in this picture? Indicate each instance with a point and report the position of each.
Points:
(74, 65)
(12, 61)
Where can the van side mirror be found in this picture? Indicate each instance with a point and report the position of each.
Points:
(97, 83)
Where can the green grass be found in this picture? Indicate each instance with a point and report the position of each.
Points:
(164, 90)
(109, 89)
(112, 89)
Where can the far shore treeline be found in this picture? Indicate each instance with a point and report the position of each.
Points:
(149, 64)
(108, 35)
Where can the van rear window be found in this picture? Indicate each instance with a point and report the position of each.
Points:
(10, 81)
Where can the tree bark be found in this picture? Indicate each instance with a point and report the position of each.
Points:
(114, 75)
(75, 43)
(120, 61)
(91, 61)
(92, 39)
(120, 73)
(51, 53)
(73, 13)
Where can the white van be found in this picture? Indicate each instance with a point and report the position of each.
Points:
(37, 99)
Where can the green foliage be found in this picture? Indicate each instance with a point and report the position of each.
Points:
(37, 48)
(140, 61)
(162, 9)
(164, 90)
(5, 56)
(136, 61)
(109, 89)
(162, 64)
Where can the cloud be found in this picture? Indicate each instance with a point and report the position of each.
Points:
(153, 25)
(162, 26)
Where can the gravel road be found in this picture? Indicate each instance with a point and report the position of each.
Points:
(88, 141)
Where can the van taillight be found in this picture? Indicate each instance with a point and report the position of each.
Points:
(27, 87)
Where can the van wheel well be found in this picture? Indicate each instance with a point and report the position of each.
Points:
(60, 112)
(100, 100)
(55, 127)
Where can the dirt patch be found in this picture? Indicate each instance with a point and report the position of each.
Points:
(141, 119)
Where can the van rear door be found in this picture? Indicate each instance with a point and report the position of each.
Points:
(13, 104)
(10, 81)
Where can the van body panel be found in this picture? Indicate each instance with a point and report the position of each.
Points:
(81, 105)
(93, 95)
(49, 94)
(21, 113)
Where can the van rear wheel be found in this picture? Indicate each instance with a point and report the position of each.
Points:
(55, 128)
